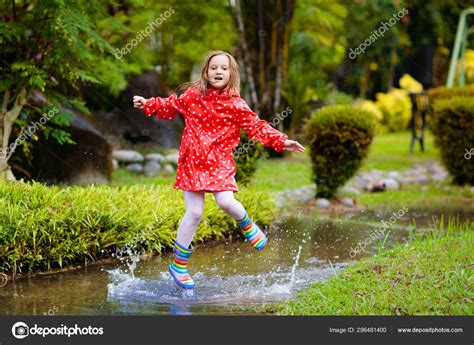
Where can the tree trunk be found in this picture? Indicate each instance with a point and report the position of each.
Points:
(245, 54)
(263, 26)
(7, 119)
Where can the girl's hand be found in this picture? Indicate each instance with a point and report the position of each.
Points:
(293, 146)
(139, 102)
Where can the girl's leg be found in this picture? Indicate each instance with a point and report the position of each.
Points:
(187, 228)
(225, 200)
(192, 217)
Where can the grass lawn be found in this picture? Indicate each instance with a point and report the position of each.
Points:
(430, 276)
(390, 151)
(426, 196)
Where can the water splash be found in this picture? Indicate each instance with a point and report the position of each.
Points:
(293, 269)
(215, 288)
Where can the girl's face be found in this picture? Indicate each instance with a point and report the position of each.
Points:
(218, 71)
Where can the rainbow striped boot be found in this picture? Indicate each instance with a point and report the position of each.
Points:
(252, 232)
(179, 266)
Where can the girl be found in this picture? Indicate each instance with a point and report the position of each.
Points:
(213, 114)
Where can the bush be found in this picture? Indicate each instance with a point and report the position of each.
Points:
(246, 156)
(396, 109)
(372, 107)
(45, 227)
(453, 127)
(339, 138)
(410, 85)
(445, 92)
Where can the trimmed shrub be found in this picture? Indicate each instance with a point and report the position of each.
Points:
(339, 138)
(453, 127)
(445, 92)
(45, 227)
(246, 156)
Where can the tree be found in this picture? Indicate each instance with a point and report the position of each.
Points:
(46, 47)
(373, 69)
(316, 47)
(264, 29)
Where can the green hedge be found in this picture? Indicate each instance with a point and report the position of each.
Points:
(339, 138)
(45, 227)
(445, 92)
(453, 126)
(246, 156)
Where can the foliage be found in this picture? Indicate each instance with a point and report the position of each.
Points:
(48, 49)
(339, 138)
(444, 92)
(410, 84)
(453, 127)
(48, 227)
(316, 47)
(396, 109)
(372, 70)
(247, 155)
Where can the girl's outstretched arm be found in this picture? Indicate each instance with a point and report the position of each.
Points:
(162, 108)
(259, 129)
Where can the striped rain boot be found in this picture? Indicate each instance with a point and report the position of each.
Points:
(252, 232)
(179, 267)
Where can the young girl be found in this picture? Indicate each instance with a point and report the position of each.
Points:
(213, 114)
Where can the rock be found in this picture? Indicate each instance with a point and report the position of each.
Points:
(322, 203)
(134, 167)
(347, 202)
(422, 179)
(168, 169)
(122, 120)
(115, 164)
(155, 157)
(151, 168)
(394, 174)
(128, 156)
(376, 186)
(89, 160)
(391, 184)
(172, 158)
(439, 176)
(304, 198)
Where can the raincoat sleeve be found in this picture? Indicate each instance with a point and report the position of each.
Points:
(166, 108)
(259, 129)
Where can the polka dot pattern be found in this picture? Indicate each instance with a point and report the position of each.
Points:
(212, 131)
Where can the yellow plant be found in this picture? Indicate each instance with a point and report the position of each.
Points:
(409, 84)
(396, 109)
(469, 66)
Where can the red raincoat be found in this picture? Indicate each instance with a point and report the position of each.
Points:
(212, 131)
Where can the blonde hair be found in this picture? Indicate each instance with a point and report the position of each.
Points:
(232, 87)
